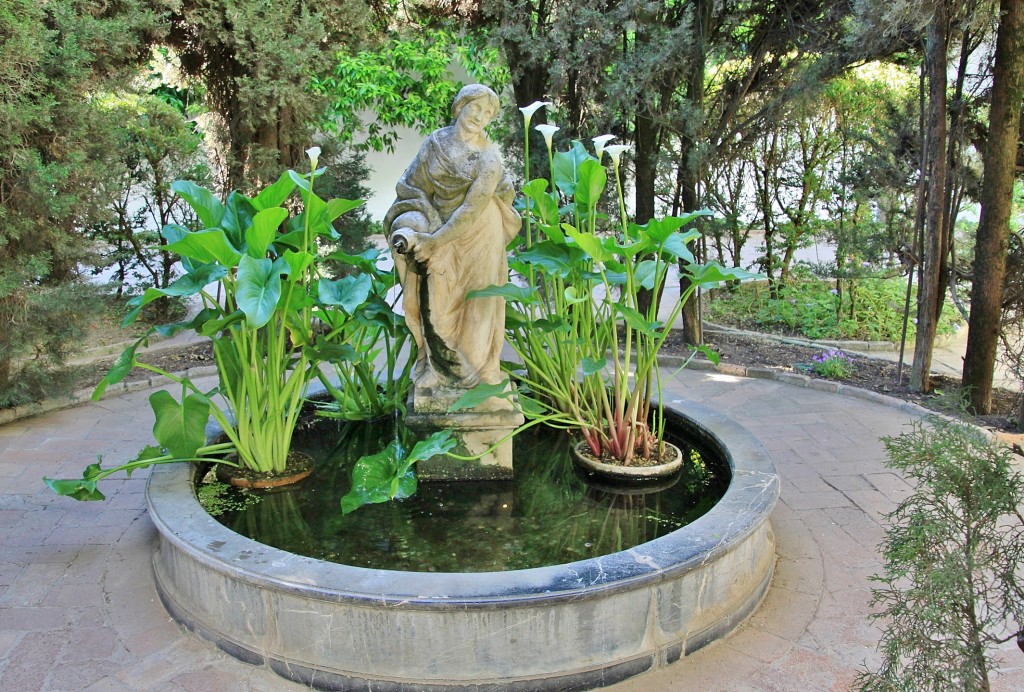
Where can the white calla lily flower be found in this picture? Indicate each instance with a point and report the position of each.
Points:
(528, 111)
(615, 151)
(599, 142)
(548, 131)
(313, 153)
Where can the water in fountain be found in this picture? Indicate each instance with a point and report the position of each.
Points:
(549, 514)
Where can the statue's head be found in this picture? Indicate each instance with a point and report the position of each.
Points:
(473, 92)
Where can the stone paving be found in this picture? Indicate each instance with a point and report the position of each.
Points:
(78, 610)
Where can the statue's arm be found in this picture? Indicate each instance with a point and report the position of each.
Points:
(465, 215)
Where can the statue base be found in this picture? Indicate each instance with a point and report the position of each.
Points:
(476, 431)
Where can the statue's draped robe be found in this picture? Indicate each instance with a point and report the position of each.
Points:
(459, 339)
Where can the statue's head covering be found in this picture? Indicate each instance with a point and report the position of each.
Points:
(472, 92)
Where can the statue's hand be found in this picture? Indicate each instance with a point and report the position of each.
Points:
(423, 246)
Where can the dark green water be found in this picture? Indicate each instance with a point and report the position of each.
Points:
(548, 515)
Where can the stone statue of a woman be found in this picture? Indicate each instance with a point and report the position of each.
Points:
(448, 228)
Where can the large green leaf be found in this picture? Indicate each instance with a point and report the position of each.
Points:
(297, 262)
(190, 284)
(348, 292)
(263, 230)
(207, 246)
(437, 443)
(590, 185)
(238, 215)
(337, 207)
(678, 245)
(389, 474)
(372, 478)
(566, 168)
(174, 232)
(195, 323)
(367, 261)
(273, 195)
(542, 205)
(214, 323)
(510, 292)
(119, 370)
(180, 428)
(555, 259)
(650, 273)
(205, 204)
(711, 274)
(660, 229)
(479, 394)
(589, 243)
(636, 321)
(300, 180)
(77, 489)
(257, 290)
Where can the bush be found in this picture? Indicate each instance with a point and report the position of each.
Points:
(949, 589)
(833, 364)
(869, 310)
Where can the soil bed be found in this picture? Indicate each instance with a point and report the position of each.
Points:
(873, 374)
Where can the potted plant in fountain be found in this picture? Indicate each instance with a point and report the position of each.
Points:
(254, 267)
(587, 346)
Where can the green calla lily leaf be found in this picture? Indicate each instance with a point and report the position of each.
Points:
(180, 428)
(348, 293)
(203, 202)
(273, 195)
(510, 292)
(263, 230)
(337, 207)
(206, 246)
(479, 394)
(257, 291)
(678, 245)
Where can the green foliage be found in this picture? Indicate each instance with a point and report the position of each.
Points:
(588, 346)
(255, 60)
(154, 145)
(404, 82)
(950, 589)
(833, 364)
(220, 498)
(373, 368)
(814, 309)
(55, 148)
(344, 178)
(389, 475)
(263, 321)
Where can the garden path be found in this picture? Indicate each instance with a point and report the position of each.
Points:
(78, 609)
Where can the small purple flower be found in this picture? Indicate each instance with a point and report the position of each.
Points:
(834, 291)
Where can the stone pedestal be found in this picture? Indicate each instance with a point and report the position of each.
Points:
(476, 431)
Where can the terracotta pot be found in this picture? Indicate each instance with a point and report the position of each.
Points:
(588, 462)
(298, 467)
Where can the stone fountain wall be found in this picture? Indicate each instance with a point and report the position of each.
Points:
(579, 625)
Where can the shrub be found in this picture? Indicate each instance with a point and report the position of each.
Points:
(833, 364)
(813, 308)
(949, 590)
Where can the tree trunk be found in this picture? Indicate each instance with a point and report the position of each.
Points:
(930, 288)
(996, 201)
(693, 332)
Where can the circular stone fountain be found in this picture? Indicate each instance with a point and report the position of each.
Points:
(579, 625)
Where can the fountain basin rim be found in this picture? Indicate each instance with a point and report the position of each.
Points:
(751, 494)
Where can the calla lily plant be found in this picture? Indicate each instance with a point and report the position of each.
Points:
(587, 347)
(254, 267)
